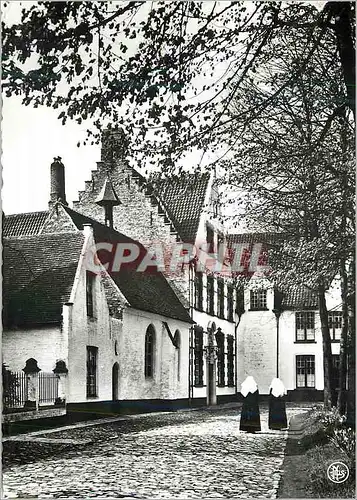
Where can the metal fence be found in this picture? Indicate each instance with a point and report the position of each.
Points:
(14, 389)
(48, 387)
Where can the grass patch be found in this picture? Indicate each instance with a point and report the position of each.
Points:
(319, 486)
(317, 439)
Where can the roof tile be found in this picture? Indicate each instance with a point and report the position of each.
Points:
(183, 198)
(299, 297)
(38, 275)
(24, 224)
(147, 291)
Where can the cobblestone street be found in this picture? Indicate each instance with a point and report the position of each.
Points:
(196, 454)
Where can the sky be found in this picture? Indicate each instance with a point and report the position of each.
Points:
(31, 138)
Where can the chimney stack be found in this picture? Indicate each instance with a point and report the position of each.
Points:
(114, 145)
(58, 191)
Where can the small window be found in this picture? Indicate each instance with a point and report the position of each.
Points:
(305, 326)
(220, 247)
(220, 359)
(89, 293)
(216, 208)
(335, 325)
(92, 363)
(177, 341)
(198, 356)
(258, 299)
(230, 361)
(199, 291)
(210, 295)
(210, 239)
(149, 352)
(305, 371)
(220, 298)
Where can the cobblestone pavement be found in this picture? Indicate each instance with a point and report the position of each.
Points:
(198, 454)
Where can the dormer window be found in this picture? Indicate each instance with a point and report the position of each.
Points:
(258, 300)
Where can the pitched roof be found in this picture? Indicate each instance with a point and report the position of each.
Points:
(147, 291)
(249, 238)
(183, 198)
(38, 275)
(24, 224)
(299, 297)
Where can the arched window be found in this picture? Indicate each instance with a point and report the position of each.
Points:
(177, 341)
(149, 351)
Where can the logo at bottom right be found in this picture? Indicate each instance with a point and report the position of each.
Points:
(338, 472)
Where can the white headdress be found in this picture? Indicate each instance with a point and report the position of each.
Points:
(277, 388)
(249, 385)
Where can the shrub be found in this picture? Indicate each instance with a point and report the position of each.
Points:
(9, 386)
(345, 440)
(330, 420)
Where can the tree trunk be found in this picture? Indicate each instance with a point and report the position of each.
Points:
(341, 399)
(326, 344)
(343, 15)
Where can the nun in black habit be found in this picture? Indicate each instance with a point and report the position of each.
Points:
(250, 416)
(277, 406)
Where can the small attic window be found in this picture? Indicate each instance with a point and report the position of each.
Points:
(258, 300)
(90, 293)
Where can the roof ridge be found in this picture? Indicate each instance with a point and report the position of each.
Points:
(41, 235)
(28, 213)
(152, 291)
(255, 232)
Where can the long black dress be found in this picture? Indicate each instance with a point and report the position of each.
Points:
(277, 412)
(250, 416)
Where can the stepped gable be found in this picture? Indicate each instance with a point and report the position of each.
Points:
(131, 189)
(25, 224)
(183, 198)
(38, 275)
(147, 291)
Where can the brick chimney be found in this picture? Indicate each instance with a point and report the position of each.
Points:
(58, 191)
(114, 145)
